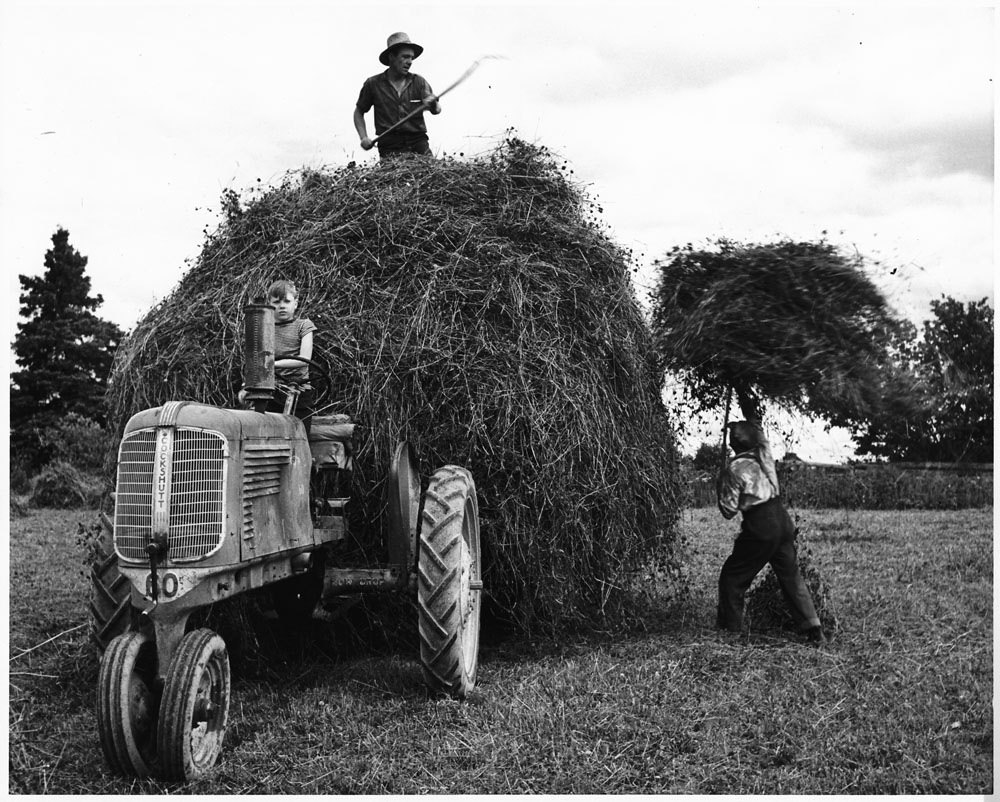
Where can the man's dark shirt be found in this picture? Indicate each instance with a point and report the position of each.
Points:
(391, 107)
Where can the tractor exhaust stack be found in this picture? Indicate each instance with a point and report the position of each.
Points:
(258, 349)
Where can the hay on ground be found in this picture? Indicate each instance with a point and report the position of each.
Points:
(766, 607)
(61, 485)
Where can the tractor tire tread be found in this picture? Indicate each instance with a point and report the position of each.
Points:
(173, 725)
(111, 683)
(439, 581)
(110, 601)
(109, 677)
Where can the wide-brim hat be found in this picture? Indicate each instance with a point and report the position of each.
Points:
(398, 40)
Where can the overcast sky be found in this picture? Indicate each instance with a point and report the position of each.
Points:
(124, 121)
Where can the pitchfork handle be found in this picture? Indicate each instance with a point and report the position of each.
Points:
(725, 426)
(423, 105)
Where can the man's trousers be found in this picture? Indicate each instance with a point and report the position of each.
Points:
(766, 536)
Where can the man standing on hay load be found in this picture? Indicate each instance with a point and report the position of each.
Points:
(749, 484)
(400, 98)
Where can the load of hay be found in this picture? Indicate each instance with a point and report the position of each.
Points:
(478, 309)
(796, 323)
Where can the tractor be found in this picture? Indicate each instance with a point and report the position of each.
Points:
(213, 502)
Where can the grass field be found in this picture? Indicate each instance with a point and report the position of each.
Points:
(899, 702)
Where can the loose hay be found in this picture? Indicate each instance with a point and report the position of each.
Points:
(798, 323)
(61, 485)
(478, 309)
(766, 607)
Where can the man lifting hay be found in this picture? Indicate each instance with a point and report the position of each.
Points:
(749, 484)
(399, 98)
(797, 325)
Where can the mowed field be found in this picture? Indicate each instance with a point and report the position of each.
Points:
(900, 701)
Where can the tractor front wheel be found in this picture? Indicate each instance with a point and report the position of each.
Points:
(449, 583)
(127, 704)
(195, 706)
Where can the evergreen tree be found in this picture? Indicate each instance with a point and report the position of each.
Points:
(63, 350)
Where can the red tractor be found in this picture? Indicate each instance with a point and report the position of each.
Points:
(214, 502)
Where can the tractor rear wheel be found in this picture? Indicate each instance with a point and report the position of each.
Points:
(195, 707)
(449, 583)
(110, 593)
(127, 704)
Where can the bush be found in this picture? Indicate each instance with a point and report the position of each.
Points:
(76, 440)
(884, 487)
(64, 486)
(19, 506)
(708, 458)
(868, 487)
(20, 477)
(699, 488)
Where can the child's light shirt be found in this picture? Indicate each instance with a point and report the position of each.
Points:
(287, 342)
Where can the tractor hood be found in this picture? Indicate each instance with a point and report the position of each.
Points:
(233, 424)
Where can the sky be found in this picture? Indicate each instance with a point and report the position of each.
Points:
(123, 122)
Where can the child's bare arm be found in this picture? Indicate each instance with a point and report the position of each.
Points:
(305, 351)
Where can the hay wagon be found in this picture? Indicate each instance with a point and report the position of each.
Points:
(211, 503)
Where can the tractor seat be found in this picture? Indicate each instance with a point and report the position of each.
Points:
(331, 440)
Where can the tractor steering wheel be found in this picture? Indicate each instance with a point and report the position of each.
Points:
(321, 392)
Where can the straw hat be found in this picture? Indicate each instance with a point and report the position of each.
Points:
(397, 40)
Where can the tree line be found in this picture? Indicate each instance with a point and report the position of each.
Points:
(801, 326)
(790, 324)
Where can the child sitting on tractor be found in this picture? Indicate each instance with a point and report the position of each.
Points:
(293, 337)
(293, 347)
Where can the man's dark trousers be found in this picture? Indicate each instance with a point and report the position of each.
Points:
(418, 144)
(766, 536)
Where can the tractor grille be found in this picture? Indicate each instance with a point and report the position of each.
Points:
(197, 494)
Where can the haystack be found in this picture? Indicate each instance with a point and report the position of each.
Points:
(478, 309)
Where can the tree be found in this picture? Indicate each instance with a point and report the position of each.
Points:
(796, 324)
(708, 457)
(953, 359)
(63, 349)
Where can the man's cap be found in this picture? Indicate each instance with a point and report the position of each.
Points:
(398, 39)
(746, 435)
